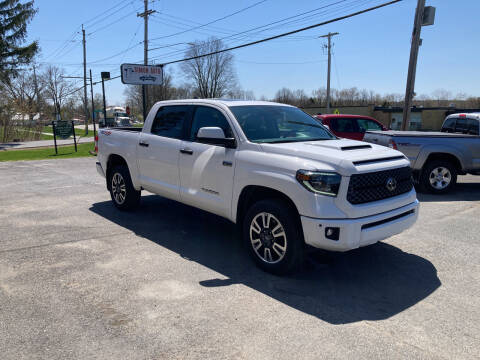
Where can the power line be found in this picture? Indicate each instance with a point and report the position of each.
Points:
(131, 40)
(281, 63)
(104, 14)
(313, 12)
(287, 33)
(116, 21)
(213, 21)
(266, 25)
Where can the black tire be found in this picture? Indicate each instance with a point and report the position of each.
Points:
(431, 181)
(124, 197)
(279, 213)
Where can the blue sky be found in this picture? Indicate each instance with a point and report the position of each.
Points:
(371, 51)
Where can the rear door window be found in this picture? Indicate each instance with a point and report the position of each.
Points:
(366, 125)
(170, 121)
(461, 126)
(344, 125)
(449, 125)
(473, 126)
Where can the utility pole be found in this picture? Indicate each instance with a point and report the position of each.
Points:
(424, 16)
(329, 48)
(85, 101)
(145, 52)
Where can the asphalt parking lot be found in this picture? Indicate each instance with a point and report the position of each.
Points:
(79, 280)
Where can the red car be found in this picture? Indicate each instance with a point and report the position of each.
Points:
(350, 126)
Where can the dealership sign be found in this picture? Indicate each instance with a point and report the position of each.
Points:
(136, 74)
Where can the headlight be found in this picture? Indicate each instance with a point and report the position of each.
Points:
(324, 183)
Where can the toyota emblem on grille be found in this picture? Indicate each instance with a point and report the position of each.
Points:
(391, 184)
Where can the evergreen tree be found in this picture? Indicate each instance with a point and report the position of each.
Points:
(14, 17)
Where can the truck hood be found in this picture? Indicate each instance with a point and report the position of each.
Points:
(344, 156)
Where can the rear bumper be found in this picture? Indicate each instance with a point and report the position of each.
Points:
(355, 233)
(100, 169)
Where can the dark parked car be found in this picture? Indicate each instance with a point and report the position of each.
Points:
(350, 126)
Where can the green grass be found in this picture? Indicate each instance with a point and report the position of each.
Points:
(138, 125)
(78, 133)
(47, 129)
(81, 133)
(64, 152)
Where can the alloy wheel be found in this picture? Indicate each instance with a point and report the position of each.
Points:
(440, 178)
(119, 189)
(268, 238)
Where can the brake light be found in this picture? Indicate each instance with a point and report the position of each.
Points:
(392, 144)
(96, 143)
(462, 115)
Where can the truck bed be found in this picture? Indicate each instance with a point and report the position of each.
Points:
(430, 134)
(125, 128)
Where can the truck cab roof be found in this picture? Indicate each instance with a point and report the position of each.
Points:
(474, 115)
(224, 102)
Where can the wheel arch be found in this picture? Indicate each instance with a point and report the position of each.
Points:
(430, 153)
(112, 161)
(444, 157)
(253, 193)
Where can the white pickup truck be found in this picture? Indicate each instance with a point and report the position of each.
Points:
(271, 168)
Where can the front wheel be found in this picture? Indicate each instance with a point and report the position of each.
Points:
(124, 195)
(439, 177)
(273, 236)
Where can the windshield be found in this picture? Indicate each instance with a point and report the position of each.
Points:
(121, 114)
(278, 124)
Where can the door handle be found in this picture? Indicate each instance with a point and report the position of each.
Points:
(143, 144)
(186, 151)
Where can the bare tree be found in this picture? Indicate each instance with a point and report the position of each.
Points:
(241, 94)
(211, 76)
(56, 88)
(20, 92)
(284, 95)
(23, 92)
(442, 96)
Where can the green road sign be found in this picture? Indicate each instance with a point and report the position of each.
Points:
(63, 129)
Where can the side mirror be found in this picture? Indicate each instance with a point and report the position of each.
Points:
(215, 136)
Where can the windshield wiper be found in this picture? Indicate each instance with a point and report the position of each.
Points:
(301, 123)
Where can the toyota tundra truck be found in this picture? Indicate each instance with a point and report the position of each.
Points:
(272, 169)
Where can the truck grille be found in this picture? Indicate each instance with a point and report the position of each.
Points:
(364, 188)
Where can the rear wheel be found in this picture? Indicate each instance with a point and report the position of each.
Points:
(124, 195)
(273, 236)
(439, 177)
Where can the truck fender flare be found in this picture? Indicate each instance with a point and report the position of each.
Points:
(439, 149)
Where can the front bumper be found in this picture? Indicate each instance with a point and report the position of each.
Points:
(100, 169)
(355, 233)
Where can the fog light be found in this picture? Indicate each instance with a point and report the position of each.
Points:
(332, 233)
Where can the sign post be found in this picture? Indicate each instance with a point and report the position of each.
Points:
(105, 76)
(63, 129)
(54, 137)
(74, 137)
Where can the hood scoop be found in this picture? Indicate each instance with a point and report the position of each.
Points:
(355, 147)
(371, 161)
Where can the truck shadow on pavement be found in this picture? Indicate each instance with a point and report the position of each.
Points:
(371, 283)
(464, 191)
